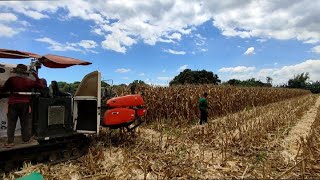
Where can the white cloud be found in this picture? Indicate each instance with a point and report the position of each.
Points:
(88, 44)
(238, 69)
(92, 51)
(166, 40)
(175, 52)
(200, 43)
(34, 9)
(160, 81)
(164, 70)
(263, 73)
(122, 70)
(73, 34)
(118, 42)
(160, 84)
(279, 75)
(261, 40)
(163, 78)
(114, 45)
(34, 14)
(25, 23)
(7, 17)
(172, 38)
(249, 51)
(6, 21)
(47, 40)
(200, 37)
(182, 68)
(6, 31)
(124, 23)
(176, 36)
(141, 74)
(267, 19)
(56, 46)
(316, 49)
(200, 40)
(286, 72)
(98, 31)
(148, 81)
(125, 78)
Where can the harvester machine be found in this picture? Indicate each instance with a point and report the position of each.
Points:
(62, 124)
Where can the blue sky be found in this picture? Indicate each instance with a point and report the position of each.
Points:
(154, 40)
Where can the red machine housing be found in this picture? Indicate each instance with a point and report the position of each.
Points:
(125, 101)
(118, 116)
(124, 110)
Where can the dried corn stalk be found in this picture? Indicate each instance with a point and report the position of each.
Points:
(180, 103)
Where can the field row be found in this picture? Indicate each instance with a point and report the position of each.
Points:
(180, 103)
(238, 145)
(244, 141)
(307, 162)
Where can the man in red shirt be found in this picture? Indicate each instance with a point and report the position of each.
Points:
(19, 104)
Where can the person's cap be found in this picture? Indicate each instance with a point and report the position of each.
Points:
(21, 68)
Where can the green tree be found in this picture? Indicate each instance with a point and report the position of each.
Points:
(68, 87)
(299, 81)
(234, 82)
(138, 83)
(136, 86)
(314, 87)
(269, 80)
(195, 77)
(248, 83)
(253, 83)
(104, 84)
(123, 86)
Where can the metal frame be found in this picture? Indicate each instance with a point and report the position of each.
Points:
(99, 102)
(97, 99)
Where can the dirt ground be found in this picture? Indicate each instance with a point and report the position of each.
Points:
(300, 130)
(195, 151)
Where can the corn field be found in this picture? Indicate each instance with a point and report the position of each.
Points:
(243, 139)
(180, 103)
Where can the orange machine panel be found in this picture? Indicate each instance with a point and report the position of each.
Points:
(125, 101)
(118, 116)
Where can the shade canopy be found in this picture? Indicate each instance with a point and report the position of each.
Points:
(49, 60)
(54, 61)
(14, 54)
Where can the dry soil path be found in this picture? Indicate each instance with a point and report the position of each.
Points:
(301, 129)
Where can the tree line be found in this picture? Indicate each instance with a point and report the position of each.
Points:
(198, 77)
(299, 81)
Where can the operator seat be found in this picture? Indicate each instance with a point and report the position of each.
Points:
(56, 91)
